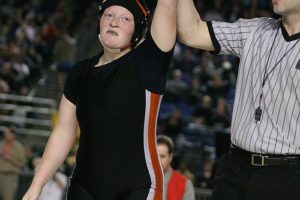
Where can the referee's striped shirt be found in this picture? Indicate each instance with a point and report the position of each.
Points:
(278, 131)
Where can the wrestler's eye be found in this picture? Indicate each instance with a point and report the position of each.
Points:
(108, 15)
(124, 19)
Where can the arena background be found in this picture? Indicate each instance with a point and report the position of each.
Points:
(40, 40)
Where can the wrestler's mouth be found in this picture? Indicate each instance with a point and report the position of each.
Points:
(111, 32)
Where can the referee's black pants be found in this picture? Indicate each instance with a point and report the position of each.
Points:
(237, 180)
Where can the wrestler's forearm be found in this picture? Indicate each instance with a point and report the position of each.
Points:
(56, 151)
(59, 143)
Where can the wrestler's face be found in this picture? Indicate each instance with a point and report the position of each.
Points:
(116, 27)
(286, 7)
(164, 156)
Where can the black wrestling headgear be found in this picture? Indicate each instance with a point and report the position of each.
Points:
(140, 12)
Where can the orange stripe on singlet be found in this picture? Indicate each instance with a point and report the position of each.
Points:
(154, 104)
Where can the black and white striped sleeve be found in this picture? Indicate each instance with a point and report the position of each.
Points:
(230, 38)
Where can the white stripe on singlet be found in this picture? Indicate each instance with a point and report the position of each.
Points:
(154, 168)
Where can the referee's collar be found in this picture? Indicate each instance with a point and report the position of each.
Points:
(288, 37)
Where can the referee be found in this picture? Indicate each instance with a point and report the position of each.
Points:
(264, 160)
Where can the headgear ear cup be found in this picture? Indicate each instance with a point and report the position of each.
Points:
(144, 25)
(141, 26)
(100, 12)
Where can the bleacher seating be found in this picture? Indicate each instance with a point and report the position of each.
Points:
(31, 115)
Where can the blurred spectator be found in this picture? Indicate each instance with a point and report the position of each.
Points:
(177, 186)
(23, 90)
(206, 179)
(86, 46)
(197, 90)
(64, 52)
(20, 68)
(176, 87)
(174, 124)
(220, 122)
(183, 169)
(4, 87)
(227, 72)
(235, 12)
(186, 60)
(29, 31)
(217, 87)
(206, 69)
(6, 75)
(203, 112)
(29, 156)
(215, 12)
(220, 119)
(12, 158)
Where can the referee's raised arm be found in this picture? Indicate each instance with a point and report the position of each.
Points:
(192, 30)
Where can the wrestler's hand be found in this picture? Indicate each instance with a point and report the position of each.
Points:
(32, 194)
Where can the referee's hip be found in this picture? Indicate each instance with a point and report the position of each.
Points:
(262, 160)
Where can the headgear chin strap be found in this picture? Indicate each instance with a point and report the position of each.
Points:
(140, 12)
